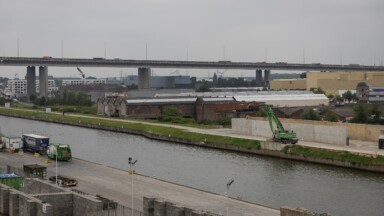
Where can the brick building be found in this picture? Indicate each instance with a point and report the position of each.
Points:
(201, 109)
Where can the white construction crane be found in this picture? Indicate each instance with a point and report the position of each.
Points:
(81, 73)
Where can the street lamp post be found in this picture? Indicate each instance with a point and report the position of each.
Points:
(56, 164)
(229, 183)
(131, 171)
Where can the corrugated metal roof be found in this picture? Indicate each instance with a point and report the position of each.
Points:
(214, 99)
(280, 97)
(161, 100)
(234, 93)
(35, 136)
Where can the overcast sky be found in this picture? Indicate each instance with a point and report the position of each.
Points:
(327, 31)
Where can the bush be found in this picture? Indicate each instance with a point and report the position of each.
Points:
(171, 112)
(226, 121)
(330, 117)
(310, 114)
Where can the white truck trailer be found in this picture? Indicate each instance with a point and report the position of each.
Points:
(9, 143)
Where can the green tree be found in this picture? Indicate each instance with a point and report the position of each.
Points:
(354, 97)
(71, 98)
(42, 101)
(82, 99)
(339, 98)
(330, 116)
(32, 97)
(317, 90)
(303, 75)
(2, 101)
(171, 115)
(347, 96)
(225, 121)
(310, 114)
(203, 88)
(359, 114)
(374, 111)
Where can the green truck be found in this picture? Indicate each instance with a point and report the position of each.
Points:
(63, 152)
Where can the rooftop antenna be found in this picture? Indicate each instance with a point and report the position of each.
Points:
(341, 58)
(186, 71)
(266, 54)
(304, 56)
(105, 50)
(18, 47)
(224, 53)
(146, 51)
(62, 49)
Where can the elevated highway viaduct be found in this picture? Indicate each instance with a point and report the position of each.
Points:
(144, 66)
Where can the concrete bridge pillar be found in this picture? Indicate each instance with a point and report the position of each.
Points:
(144, 78)
(267, 77)
(31, 80)
(259, 78)
(43, 81)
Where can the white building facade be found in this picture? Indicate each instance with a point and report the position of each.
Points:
(18, 87)
(84, 82)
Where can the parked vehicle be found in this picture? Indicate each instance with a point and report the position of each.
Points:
(35, 143)
(63, 152)
(64, 181)
(11, 180)
(10, 143)
(35, 170)
(381, 142)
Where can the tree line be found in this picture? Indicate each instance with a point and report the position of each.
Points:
(67, 97)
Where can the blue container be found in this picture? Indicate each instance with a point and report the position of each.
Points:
(35, 143)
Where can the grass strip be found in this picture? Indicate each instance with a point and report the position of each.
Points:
(334, 155)
(164, 131)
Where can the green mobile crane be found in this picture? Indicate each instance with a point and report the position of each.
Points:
(279, 134)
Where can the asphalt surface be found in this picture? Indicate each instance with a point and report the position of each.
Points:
(117, 185)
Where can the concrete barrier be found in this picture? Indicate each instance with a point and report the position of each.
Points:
(288, 211)
(305, 132)
(38, 197)
(160, 207)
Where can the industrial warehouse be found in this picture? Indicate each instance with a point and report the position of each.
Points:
(208, 105)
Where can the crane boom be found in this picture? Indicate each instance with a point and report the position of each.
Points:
(272, 117)
(279, 135)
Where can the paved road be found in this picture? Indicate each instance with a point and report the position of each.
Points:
(116, 185)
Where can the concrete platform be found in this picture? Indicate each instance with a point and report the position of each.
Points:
(116, 185)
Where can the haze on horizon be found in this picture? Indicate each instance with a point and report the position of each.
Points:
(328, 32)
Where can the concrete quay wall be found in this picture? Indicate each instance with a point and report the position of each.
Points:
(305, 132)
(355, 131)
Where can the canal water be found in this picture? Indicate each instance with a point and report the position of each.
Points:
(263, 180)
